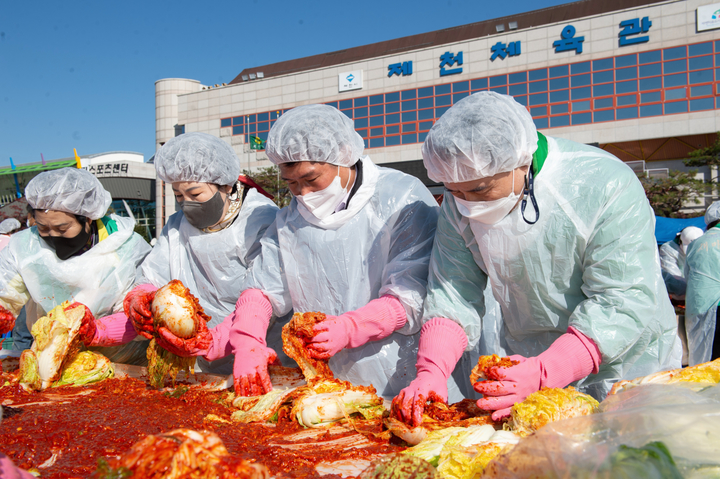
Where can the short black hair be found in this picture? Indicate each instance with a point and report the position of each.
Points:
(712, 225)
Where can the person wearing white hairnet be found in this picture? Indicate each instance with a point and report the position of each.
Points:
(78, 253)
(672, 260)
(21, 337)
(702, 270)
(207, 245)
(564, 234)
(354, 243)
(672, 263)
(7, 227)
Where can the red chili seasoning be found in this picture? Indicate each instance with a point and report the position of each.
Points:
(117, 413)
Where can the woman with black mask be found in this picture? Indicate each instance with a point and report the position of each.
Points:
(77, 253)
(209, 242)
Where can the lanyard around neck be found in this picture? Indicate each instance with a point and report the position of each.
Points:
(538, 161)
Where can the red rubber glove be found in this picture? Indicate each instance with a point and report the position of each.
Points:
(571, 357)
(88, 328)
(113, 330)
(374, 321)
(195, 346)
(247, 339)
(137, 305)
(7, 320)
(442, 343)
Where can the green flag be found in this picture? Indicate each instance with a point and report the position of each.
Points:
(256, 143)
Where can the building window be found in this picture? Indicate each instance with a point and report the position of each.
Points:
(658, 82)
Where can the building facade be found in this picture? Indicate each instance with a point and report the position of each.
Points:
(635, 77)
(124, 174)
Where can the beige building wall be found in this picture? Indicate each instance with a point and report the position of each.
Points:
(673, 24)
(166, 105)
(167, 108)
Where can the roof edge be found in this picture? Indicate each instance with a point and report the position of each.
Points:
(526, 20)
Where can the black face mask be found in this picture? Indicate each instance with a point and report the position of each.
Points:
(67, 247)
(203, 214)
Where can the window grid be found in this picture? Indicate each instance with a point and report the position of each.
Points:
(658, 82)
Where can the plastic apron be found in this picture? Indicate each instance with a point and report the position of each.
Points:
(99, 278)
(211, 265)
(380, 245)
(672, 263)
(703, 295)
(590, 262)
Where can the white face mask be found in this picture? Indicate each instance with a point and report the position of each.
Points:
(489, 212)
(323, 203)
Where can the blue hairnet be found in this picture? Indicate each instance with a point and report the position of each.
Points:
(480, 136)
(197, 157)
(314, 133)
(712, 213)
(9, 225)
(71, 190)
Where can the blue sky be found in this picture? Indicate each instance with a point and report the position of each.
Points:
(81, 74)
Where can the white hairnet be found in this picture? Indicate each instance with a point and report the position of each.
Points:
(9, 225)
(687, 235)
(314, 133)
(478, 137)
(712, 213)
(71, 190)
(197, 157)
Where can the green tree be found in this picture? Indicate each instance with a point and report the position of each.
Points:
(709, 156)
(269, 178)
(667, 196)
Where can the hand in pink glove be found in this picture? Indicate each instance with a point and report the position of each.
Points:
(442, 342)
(8, 470)
(7, 321)
(112, 330)
(251, 367)
(571, 357)
(137, 305)
(88, 328)
(247, 339)
(195, 346)
(374, 321)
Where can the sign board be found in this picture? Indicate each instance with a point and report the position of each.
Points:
(350, 81)
(122, 169)
(708, 17)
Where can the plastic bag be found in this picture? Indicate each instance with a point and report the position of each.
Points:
(626, 440)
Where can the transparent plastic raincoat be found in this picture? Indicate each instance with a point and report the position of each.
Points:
(211, 265)
(99, 278)
(703, 295)
(672, 263)
(590, 262)
(380, 245)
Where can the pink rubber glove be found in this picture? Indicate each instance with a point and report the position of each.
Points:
(194, 346)
(88, 327)
(442, 342)
(8, 470)
(137, 306)
(112, 330)
(247, 339)
(220, 345)
(374, 321)
(7, 320)
(571, 357)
